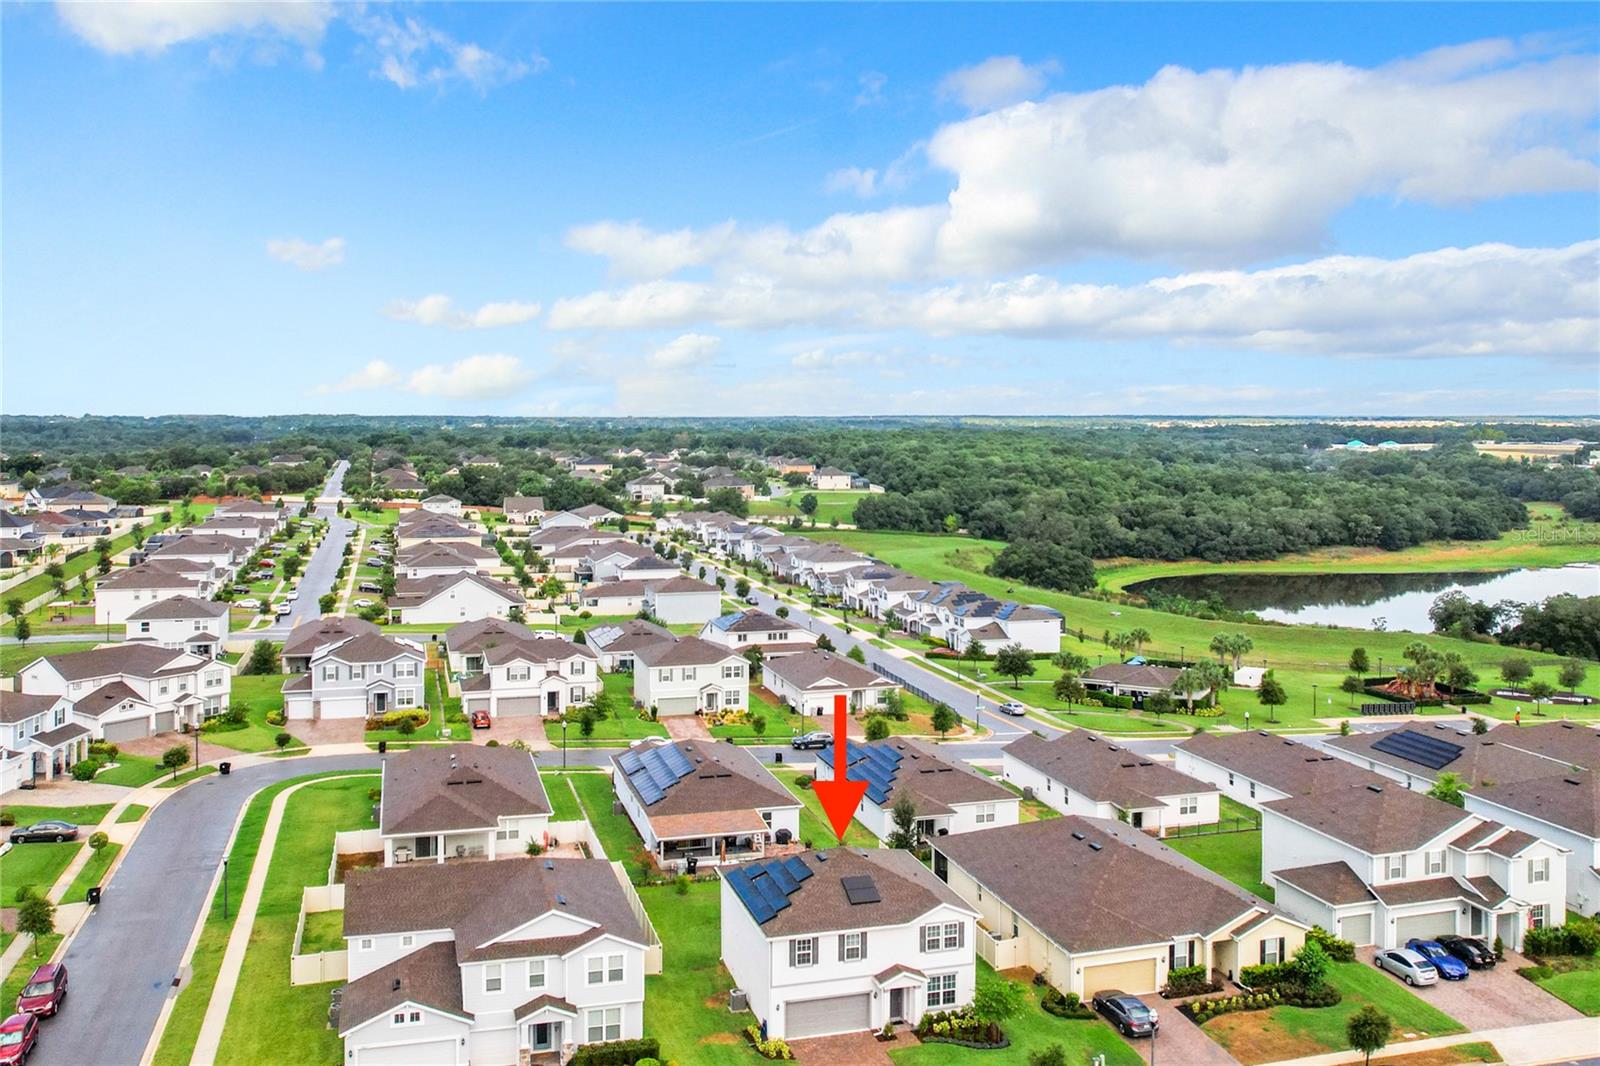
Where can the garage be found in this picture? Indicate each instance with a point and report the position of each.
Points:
(441, 1052)
(132, 729)
(1356, 928)
(166, 721)
(1137, 977)
(677, 705)
(517, 706)
(821, 1017)
(1424, 926)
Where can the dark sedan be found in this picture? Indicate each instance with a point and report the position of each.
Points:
(819, 739)
(1127, 1013)
(55, 831)
(1470, 950)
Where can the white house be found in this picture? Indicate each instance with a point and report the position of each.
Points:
(462, 801)
(809, 681)
(506, 961)
(1083, 773)
(466, 642)
(128, 691)
(543, 676)
(360, 677)
(617, 643)
(523, 510)
(186, 622)
(449, 598)
(1563, 810)
(442, 504)
(845, 940)
(683, 600)
(705, 800)
(688, 676)
(648, 487)
(829, 479)
(1257, 767)
(744, 630)
(122, 592)
(948, 796)
(430, 559)
(1153, 910)
(38, 738)
(312, 636)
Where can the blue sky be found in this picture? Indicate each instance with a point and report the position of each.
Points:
(1294, 209)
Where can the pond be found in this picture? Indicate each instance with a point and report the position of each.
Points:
(1371, 601)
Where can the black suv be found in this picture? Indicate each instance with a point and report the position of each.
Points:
(819, 739)
(1475, 953)
(1127, 1013)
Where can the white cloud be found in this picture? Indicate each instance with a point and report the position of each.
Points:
(440, 310)
(412, 54)
(689, 350)
(996, 82)
(862, 183)
(1490, 299)
(477, 377)
(1215, 168)
(304, 255)
(152, 26)
(870, 83)
(375, 375)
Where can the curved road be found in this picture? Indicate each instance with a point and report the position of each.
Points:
(124, 959)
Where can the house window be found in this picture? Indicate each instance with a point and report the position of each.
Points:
(690, 673)
(945, 936)
(1252, 790)
(732, 671)
(803, 952)
(852, 947)
(405, 697)
(407, 940)
(1436, 861)
(330, 673)
(1538, 870)
(404, 1017)
(941, 990)
(605, 1024)
(508, 834)
(1189, 805)
(604, 969)
(1271, 950)
(514, 673)
(358, 673)
(664, 675)
(144, 627)
(730, 698)
(365, 944)
(579, 668)
(1230, 778)
(493, 977)
(162, 688)
(575, 695)
(1396, 867)
(985, 814)
(535, 973)
(1538, 917)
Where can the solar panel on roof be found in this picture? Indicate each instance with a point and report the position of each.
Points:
(629, 761)
(1419, 748)
(797, 869)
(860, 889)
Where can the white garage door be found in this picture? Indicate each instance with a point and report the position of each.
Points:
(1135, 978)
(1424, 926)
(1356, 928)
(166, 721)
(518, 707)
(819, 1017)
(422, 1053)
(116, 732)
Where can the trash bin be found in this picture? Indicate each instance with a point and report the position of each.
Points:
(691, 864)
(92, 897)
(383, 747)
(224, 768)
(777, 756)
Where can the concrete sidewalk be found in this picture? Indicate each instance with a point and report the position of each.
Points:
(1573, 1040)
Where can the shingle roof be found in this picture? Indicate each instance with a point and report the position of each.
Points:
(1092, 885)
(1576, 743)
(105, 699)
(1481, 758)
(1377, 819)
(1570, 800)
(372, 648)
(181, 607)
(1277, 762)
(537, 650)
(139, 660)
(1104, 770)
(823, 669)
(412, 592)
(907, 890)
(1145, 676)
(484, 632)
(933, 782)
(15, 706)
(1332, 882)
(462, 786)
(725, 778)
(629, 636)
(428, 976)
(752, 622)
(685, 651)
(309, 636)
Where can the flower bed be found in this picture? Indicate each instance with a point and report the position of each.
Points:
(962, 1028)
(1189, 981)
(769, 1049)
(1065, 1005)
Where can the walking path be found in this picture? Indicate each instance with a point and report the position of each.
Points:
(1573, 1040)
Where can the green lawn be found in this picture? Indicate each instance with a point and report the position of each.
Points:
(324, 932)
(35, 865)
(1576, 980)
(814, 826)
(837, 505)
(1236, 856)
(14, 657)
(563, 804)
(259, 693)
(90, 814)
(1303, 656)
(1260, 1036)
(93, 873)
(131, 771)
(132, 813)
(31, 958)
(268, 1020)
(615, 832)
(620, 727)
(185, 776)
(685, 1006)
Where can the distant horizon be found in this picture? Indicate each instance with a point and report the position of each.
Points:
(1417, 420)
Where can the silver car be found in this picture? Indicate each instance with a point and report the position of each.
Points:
(1408, 965)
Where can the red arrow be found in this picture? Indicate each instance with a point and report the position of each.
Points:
(840, 796)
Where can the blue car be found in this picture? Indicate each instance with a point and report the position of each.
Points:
(1450, 968)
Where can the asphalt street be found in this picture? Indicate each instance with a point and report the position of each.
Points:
(317, 580)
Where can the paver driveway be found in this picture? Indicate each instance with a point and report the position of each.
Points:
(1180, 1040)
(847, 1049)
(1491, 999)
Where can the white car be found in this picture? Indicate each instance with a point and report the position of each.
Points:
(294, 594)
(363, 602)
(252, 604)
(1410, 966)
(1016, 710)
(284, 610)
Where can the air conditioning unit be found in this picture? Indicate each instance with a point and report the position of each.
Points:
(737, 1000)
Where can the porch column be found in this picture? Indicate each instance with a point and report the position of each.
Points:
(438, 848)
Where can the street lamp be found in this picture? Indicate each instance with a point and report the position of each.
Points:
(224, 886)
(563, 742)
(977, 712)
(1313, 698)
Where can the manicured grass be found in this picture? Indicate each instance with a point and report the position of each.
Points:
(1029, 1031)
(89, 814)
(186, 776)
(1576, 980)
(131, 771)
(324, 931)
(14, 657)
(1236, 856)
(815, 829)
(837, 505)
(93, 873)
(422, 732)
(1302, 656)
(268, 1020)
(1264, 1036)
(621, 726)
(33, 956)
(35, 865)
(132, 813)
(615, 832)
(1030, 810)
(259, 693)
(686, 1005)
(563, 804)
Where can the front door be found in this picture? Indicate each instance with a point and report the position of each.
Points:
(552, 702)
(711, 700)
(380, 702)
(897, 1004)
(1138, 819)
(546, 1036)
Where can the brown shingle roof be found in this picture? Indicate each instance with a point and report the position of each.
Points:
(1570, 800)
(181, 607)
(1153, 677)
(412, 592)
(1575, 743)
(1332, 882)
(933, 782)
(1103, 770)
(15, 706)
(1277, 762)
(373, 648)
(1377, 819)
(1481, 759)
(307, 637)
(725, 778)
(428, 976)
(537, 650)
(484, 632)
(138, 660)
(686, 651)
(1400, 893)
(907, 890)
(823, 669)
(105, 699)
(462, 786)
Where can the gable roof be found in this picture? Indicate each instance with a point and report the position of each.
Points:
(428, 977)
(1570, 800)
(484, 632)
(752, 621)
(906, 891)
(537, 649)
(715, 778)
(180, 607)
(135, 659)
(1374, 818)
(459, 786)
(371, 648)
(1103, 770)
(1576, 743)
(823, 669)
(412, 592)
(1138, 676)
(685, 651)
(900, 765)
(1475, 758)
(1277, 762)
(307, 637)
(16, 706)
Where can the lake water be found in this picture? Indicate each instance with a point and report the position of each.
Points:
(1372, 601)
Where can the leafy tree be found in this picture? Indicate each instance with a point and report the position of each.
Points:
(551, 587)
(1480, 726)
(995, 999)
(22, 629)
(1352, 685)
(1069, 662)
(282, 740)
(730, 500)
(1013, 661)
(1159, 703)
(263, 659)
(1368, 1030)
(586, 721)
(102, 547)
(14, 607)
(1271, 696)
(1572, 674)
(516, 613)
(1069, 690)
(1539, 692)
(97, 841)
(1048, 564)
(1140, 638)
(327, 602)
(175, 757)
(758, 725)
(1515, 670)
(943, 719)
(1359, 663)
(877, 728)
(741, 588)
(808, 504)
(903, 815)
(36, 916)
(782, 611)
(824, 644)
(1450, 788)
(1312, 963)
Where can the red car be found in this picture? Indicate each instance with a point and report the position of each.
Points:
(18, 1036)
(45, 991)
(480, 720)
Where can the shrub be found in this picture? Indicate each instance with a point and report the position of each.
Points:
(877, 728)
(104, 750)
(535, 848)
(85, 769)
(771, 1049)
(1577, 937)
(282, 740)
(1189, 981)
(804, 781)
(418, 716)
(1338, 950)
(1311, 964)
(617, 1052)
(1064, 1005)
(407, 726)
(1107, 699)
(276, 717)
(1266, 975)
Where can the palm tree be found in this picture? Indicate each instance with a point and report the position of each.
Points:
(1140, 637)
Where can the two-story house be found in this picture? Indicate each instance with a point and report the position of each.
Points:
(186, 622)
(771, 635)
(122, 592)
(38, 738)
(1086, 774)
(542, 676)
(689, 675)
(430, 559)
(845, 940)
(617, 643)
(948, 796)
(523, 510)
(449, 598)
(360, 677)
(312, 636)
(127, 691)
(809, 681)
(466, 642)
(1257, 767)
(463, 801)
(492, 963)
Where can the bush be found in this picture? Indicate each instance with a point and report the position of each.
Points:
(85, 769)
(276, 717)
(617, 1052)
(1267, 975)
(1189, 981)
(1338, 950)
(804, 781)
(406, 727)
(104, 750)
(1065, 1005)
(771, 1049)
(282, 740)
(417, 716)
(1577, 937)
(1121, 702)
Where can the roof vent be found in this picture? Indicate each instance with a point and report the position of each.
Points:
(1375, 788)
(1077, 836)
(822, 856)
(561, 901)
(395, 987)
(1572, 780)
(549, 864)
(1094, 846)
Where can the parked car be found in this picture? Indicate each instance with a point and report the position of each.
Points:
(752, 601)
(805, 741)
(284, 610)
(45, 991)
(1470, 950)
(52, 830)
(266, 564)
(241, 589)
(1407, 965)
(18, 1036)
(1449, 967)
(480, 720)
(250, 602)
(363, 602)
(1127, 1013)
(1013, 708)
(292, 594)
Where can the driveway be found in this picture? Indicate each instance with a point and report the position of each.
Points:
(686, 727)
(325, 731)
(1491, 999)
(1180, 1040)
(848, 1049)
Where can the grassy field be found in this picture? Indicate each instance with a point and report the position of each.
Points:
(35, 865)
(259, 693)
(1290, 1032)
(268, 1020)
(1303, 656)
(831, 506)
(1236, 856)
(92, 873)
(90, 814)
(40, 583)
(14, 657)
(563, 804)
(814, 826)
(685, 1005)
(1575, 980)
(324, 931)
(131, 771)
(615, 832)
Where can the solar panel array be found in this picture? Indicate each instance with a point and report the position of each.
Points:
(765, 887)
(654, 770)
(1419, 748)
(875, 764)
(860, 889)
